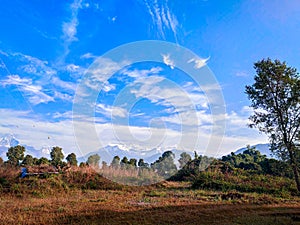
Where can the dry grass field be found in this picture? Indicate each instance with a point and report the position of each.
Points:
(166, 203)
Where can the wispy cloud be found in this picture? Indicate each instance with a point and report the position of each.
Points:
(88, 55)
(33, 65)
(69, 27)
(34, 92)
(63, 84)
(111, 111)
(136, 73)
(162, 17)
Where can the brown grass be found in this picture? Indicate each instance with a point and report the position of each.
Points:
(82, 196)
(167, 203)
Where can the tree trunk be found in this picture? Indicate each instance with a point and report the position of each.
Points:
(295, 167)
(296, 174)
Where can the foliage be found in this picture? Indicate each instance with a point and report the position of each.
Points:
(124, 162)
(143, 164)
(15, 154)
(115, 162)
(133, 162)
(275, 98)
(192, 168)
(244, 181)
(43, 161)
(71, 159)
(93, 160)
(165, 165)
(252, 160)
(184, 159)
(56, 156)
(28, 160)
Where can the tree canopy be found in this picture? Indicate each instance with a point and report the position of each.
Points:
(93, 160)
(71, 159)
(275, 98)
(56, 156)
(15, 154)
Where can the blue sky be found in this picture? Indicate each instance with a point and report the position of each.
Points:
(47, 47)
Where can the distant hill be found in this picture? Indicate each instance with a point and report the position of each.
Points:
(263, 148)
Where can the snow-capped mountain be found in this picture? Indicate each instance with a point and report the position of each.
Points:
(6, 142)
(9, 140)
(107, 153)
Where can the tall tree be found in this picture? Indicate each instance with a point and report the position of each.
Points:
(275, 98)
(165, 165)
(56, 156)
(142, 163)
(15, 154)
(93, 160)
(132, 162)
(115, 163)
(184, 159)
(72, 159)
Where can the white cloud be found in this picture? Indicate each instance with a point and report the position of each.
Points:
(37, 133)
(98, 74)
(162, 17)
(198, 62)
(136, 73)
(157, 91)
(69, 27)
(168, 61)
(34, 92)
(35, 66)
(63, 96)
(60, 133)
(63, 84)
(88, 56)
(111, 111)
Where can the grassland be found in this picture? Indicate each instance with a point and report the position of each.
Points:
(164, 203)
(82, 196)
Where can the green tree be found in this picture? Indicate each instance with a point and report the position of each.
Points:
(275, 98)
(125, 163)
(132, 162)
(72, 159)
(142, 164)
(43, 161)
(165, 165)
(115, 163)
(93, 160)
(28, 161)
(56, 156)
(15, 154)
(1, 161)
(82, 164)
(184, 159)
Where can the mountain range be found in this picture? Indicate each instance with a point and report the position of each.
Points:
(9, 140)
(109, 151)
